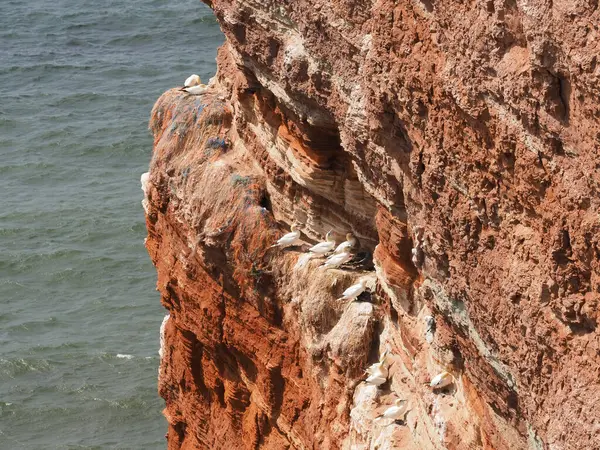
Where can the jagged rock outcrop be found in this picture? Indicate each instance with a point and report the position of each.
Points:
(459, 142)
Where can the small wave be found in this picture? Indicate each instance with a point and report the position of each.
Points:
(203, 19)
(14, 367)
(124, 356)
(47, 67)
(132, 39)
(136, 403)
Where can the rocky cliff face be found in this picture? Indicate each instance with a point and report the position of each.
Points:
(459, 142)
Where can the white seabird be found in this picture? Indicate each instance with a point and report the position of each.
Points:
(380, 366)
(337, 260)
(378, 372)
(377, 379)
(396, 412)
(322, 248)
(161, 350)
(289, 239)
(441, 380)
(145, 179)
(192, 80)
(354, 291)
(196, 90)
(347, 245)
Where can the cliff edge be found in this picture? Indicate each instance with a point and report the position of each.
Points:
(458, 141)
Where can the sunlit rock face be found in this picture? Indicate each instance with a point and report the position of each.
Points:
(459, 143)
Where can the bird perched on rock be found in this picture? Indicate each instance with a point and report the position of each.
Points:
(378, 372)
(396, 412)
(322, 248)
(354, 291)
(441, 380)
(349, 244)
(145, 179)
(379, 366)
(377, 379)
(192, 80)
(289, 239)
(336, 260)
(195, 90)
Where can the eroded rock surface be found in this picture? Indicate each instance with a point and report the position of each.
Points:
(459, 142)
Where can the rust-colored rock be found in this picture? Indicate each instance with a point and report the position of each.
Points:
(459, 142)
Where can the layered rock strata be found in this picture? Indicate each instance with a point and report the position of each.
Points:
(458, 141)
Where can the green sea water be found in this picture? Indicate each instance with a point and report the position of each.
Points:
(79, 314)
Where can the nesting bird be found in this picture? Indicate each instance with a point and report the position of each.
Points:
(396, 412)
(289, 239)
(441, 380)
(145, 179)
(378, 366)
(322, 248)
(354, 291)
(192, 80)
(348, 245)
(377, 379)
(195, 90)
(336, 260)
(378, 372)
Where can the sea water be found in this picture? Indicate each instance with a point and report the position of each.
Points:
(79, 314)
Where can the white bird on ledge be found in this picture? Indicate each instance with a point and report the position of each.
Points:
(396, 412)
(289, 239)
(337, 260)
(354, 291)
(192, 80)
(347, 245)
(322, 248)
(441, 380)
(196, 90)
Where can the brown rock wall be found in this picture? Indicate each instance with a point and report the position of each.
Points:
(459, 142)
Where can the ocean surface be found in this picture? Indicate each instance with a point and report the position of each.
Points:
(79, 314)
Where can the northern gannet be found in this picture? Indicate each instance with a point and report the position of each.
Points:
(144, 179)
(347, 245)
(322, 248)
(441, 380)
(289, 239)
(192, 80)
(162, 335)
(396, 412)
(337, 260)
(195, 90)
(354, 291)
(377, 379)
(380, 366)
(378, 372)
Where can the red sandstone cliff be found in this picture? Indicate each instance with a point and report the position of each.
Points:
(467, 131)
